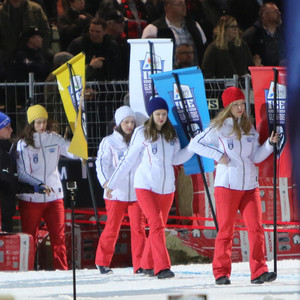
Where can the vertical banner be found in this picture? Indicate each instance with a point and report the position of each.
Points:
(195, 104)
(71, 84)
(140, 83)
(263, 89)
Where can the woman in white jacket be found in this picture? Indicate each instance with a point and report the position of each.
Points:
(232, 142)
(111, 150)
(38, 155)
(156, 141)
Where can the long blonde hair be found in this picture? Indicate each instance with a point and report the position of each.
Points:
(151, 132)
(220, 36)
(244, 125)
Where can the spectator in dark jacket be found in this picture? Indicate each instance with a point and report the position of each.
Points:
(265, 37)
(103, 57)
(179, 28)
(31, 57)
(9, 185)
(73, 23)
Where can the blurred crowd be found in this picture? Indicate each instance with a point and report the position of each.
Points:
(222, 37)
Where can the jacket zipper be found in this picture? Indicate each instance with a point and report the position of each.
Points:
(164, 164)
(243, 182)
(44, 163)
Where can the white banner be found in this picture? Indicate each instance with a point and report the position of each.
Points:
(140, 83)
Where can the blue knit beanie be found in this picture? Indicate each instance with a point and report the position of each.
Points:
(155, 104)
(4, 120)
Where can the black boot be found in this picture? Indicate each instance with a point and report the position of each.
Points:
(223, 280)
(264, 277)
(104, 270)
(167, 273)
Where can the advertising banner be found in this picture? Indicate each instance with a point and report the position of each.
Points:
(263, 89)
(140, 83)
(190, 115)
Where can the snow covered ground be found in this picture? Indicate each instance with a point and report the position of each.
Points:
(189, 280)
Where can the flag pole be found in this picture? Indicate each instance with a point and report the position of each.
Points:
(275, 172)
(85, 162)
(152, 67)
(182, 99)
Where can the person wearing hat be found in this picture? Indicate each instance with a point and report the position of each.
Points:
(232, 142)
(9, 185)
(31, 57)
(73, 22)
(111, 150)
(157, 144)
(38, 154)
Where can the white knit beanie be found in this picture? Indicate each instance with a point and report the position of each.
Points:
(122, 113)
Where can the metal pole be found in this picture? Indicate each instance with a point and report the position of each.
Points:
(275, 171)
(72, 195)
(247, 93)
(175, 75)
(152, 67)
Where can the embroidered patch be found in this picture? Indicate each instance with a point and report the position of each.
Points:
(51, 150)
(249, 139)
(120, 154)
(230, 144)
(154, 148)
(35, 158)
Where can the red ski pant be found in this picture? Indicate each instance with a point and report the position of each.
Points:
(53, 214)
(228, 202)
(156, 208)
(115, 211)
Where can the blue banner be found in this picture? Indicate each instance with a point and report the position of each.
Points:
(190, 115)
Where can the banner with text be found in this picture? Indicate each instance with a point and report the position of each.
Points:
(263, 89)
(71, 84)
(140, 83)
(189, 115)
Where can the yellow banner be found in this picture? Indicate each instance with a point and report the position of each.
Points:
(71, 84)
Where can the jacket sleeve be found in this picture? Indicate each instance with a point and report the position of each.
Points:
(129, 160)
(206, 144)
(104, 162)
(181, 155)
(23, 165)
(64, 146)
(260, 152)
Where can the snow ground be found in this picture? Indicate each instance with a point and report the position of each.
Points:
(194, 279)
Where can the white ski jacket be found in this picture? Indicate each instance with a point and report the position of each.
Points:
(240, 173)
(111, 150)
(39, 165)
(155, 171)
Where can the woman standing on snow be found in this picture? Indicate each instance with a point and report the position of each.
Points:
(156, 141)
(111, 150)
(232, 141)
(38, 154)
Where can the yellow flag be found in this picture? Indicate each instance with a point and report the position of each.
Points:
(71, 84)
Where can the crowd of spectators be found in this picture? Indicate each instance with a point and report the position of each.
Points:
(252, 35)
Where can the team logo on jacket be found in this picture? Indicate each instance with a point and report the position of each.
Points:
(35, 158)
(120, 154)
(230, 144)
(51, 150)
(154, 148)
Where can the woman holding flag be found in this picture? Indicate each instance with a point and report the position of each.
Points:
(156, 141)
(232, 142)
(39, 150)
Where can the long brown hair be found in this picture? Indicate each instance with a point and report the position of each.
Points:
(244, 125)
(151, 132)
(220, 33)
(126, 137)
(28, 131)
